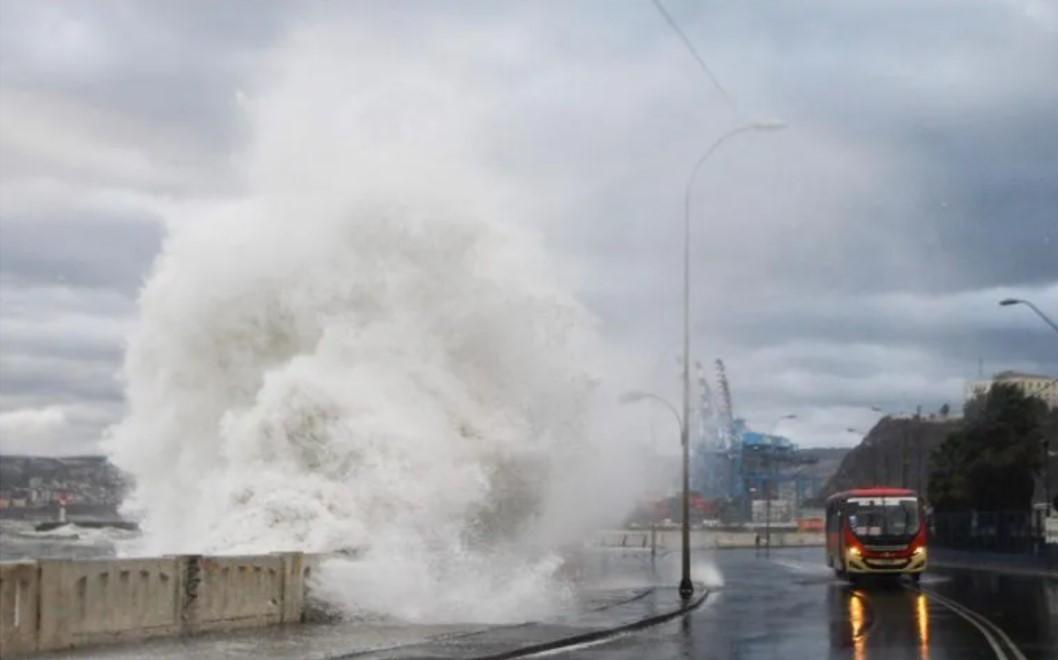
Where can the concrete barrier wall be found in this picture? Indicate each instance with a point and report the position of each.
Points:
(238, 592)
(704, 539)
(58, 604)
(99, 601)
(296, 571)
(19, 597)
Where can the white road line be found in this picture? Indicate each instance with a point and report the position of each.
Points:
(985, 621)
(992, 641)
(562, 650)
(979, 621)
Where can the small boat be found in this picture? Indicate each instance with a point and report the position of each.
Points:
(49, 525)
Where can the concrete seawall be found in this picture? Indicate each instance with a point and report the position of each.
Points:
(57, 604)
(54, 604)
(703, 539)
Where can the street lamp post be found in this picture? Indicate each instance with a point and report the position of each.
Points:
(767, 501)
(1007, 302)
(653, 485)
(686, 586)
(768, 467)
(1047, 453)
(634, 397)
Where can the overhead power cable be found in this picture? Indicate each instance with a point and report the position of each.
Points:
(687, 42)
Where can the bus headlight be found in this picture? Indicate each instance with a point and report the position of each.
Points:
(919, 551)
(854, 552)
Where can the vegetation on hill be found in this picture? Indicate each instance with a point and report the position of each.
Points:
(992, 460)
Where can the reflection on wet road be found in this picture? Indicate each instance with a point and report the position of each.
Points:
(789, 605)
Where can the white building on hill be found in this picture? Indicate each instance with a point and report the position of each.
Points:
(1043, 387)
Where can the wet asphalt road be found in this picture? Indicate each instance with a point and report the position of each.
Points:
(789, 605)
(783, 605)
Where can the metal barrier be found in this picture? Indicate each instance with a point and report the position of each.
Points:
(989, 531)
(1018, 535)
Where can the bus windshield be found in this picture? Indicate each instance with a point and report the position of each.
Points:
(883, 516)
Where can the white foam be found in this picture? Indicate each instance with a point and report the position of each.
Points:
(86, 535)
(362, 350)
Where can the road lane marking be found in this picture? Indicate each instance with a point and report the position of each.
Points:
(993, 633)
(986, 622)
(989, 637)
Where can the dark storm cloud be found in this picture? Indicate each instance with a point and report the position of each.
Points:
(999, 221)
(853, 346)
(953, 341)
(965, 99)
(964, 103)
(919, 162)
(91, 251)
(963, 94)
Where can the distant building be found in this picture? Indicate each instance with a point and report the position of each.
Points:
(781, 511)
(1041, 387)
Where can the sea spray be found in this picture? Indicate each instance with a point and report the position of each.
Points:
(365, 352)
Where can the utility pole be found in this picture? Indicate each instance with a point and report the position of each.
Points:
(918, 444)
(903, 455)
(1047, 476)
(767, 502)
(877, 466)
(654, 481)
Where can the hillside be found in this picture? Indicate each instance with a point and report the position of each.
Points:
(826, 461)
(38, 480)
(894, 453)
(877, 460)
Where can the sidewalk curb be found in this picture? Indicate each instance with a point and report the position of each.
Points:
(598, 635)
(642, 593)
(997, 568)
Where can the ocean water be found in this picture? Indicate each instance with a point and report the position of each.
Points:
(19, 541)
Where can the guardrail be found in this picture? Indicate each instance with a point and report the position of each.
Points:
(53, 604)
(703, 539)
(1017, 538)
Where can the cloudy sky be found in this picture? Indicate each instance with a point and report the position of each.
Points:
(852, 260)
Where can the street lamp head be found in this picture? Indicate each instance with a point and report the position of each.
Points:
(634, 396)
(1018, 301)
(770, 125)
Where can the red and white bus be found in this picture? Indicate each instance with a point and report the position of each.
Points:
(876, 531)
